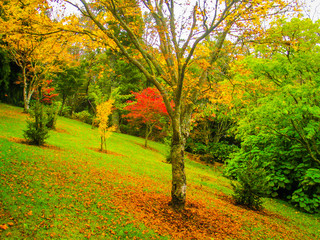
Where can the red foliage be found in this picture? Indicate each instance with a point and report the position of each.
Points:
(148, 107)
(48, 93)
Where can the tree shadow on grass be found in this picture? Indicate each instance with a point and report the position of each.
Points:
(148, 148)
(24, 141)
(107, 152)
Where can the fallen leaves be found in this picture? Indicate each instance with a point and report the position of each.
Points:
(4, 227)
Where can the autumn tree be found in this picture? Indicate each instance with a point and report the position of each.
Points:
(148, 109)
(165, 53)
(104, 111)
(24, 27)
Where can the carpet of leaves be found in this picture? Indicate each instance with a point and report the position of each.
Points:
(68, 198)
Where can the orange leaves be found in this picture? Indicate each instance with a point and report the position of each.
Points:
(4, 227)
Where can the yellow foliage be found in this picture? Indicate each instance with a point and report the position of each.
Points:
(104, 110)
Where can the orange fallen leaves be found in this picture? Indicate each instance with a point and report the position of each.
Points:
(4, 227)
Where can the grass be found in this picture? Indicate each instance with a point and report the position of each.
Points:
(68, 190)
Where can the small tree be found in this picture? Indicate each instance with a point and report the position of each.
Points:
(148, 109)
(104, 110)
(37, 131)
(51, 108)
(252, 185)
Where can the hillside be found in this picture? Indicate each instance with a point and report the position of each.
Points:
(69, 190)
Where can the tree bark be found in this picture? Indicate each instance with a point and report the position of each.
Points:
(115, 121)
(25, 90)
(149, 128)
(62, 105)
(179, 181)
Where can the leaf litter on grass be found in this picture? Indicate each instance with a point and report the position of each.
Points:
(82, 194)
(54, 197)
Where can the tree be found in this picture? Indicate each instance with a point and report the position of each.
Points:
(23, 28)
(104, 110)
(280, 131)
(165, 52)
(148, 109)
(37, 131)
(68, 81)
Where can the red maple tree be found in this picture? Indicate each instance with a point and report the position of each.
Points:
(148, 108)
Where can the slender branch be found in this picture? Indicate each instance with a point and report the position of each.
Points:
(134, 39)
(304, 142)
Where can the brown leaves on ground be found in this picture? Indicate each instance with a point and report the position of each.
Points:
(4, 226)
(195, 222)
(146, 200)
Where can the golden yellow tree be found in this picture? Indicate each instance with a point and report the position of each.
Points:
(26, 33)
(164, 53)
(104, 111)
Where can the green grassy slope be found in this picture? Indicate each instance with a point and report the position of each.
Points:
(68, 190)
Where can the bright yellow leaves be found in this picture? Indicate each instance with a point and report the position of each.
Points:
(253, 14)
(33, 41)
(104, 110)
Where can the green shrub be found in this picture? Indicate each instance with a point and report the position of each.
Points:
(83, 116)
(290, 172)
(213, 152)
(307, 196)
(66, 111)
(222, 151)
(251, 186)
(167, 141)
(52, 115)
(37, 131)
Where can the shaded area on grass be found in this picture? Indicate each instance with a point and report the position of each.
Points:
(24, 141)
(148, 148)
(107, 152)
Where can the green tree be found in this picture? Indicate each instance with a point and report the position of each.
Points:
(37, 131)
(68, 82)
(282, 129)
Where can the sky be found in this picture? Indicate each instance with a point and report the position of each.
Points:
(312, 9)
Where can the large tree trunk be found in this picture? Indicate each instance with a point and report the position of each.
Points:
(179, 182)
